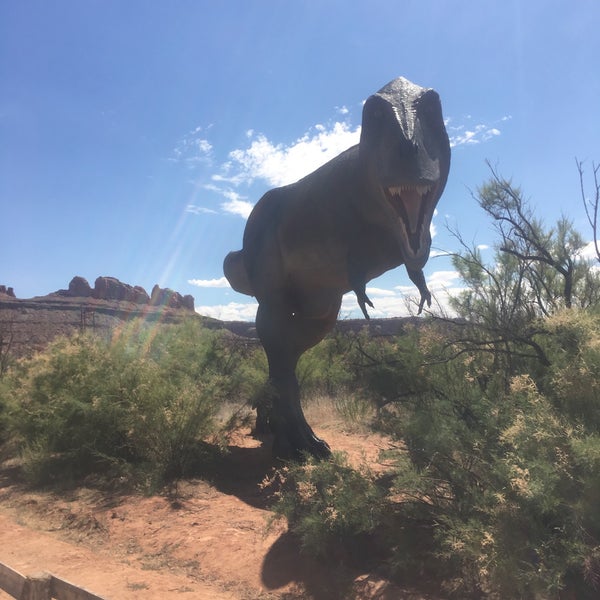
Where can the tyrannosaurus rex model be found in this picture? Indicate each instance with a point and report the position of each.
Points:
(306, 244)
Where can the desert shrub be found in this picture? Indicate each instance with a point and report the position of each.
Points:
(325, 369)
(141, 404)
(71, 401)
(506, 478)
(330, 506)
(386, 369)
(573, 379)
(360, 373)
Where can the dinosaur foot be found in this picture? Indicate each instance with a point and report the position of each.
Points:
(295, 443)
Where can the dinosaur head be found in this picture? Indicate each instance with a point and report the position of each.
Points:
(405, 148)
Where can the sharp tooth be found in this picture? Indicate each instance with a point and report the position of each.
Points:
(397, 190)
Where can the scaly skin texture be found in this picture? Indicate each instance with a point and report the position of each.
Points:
(306, 244)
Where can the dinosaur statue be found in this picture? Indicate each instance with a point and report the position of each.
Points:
(306, 244)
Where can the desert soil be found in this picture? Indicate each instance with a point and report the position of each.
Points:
(213, 539)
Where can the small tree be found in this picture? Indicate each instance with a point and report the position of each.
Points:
(536, 272)
(553, 272)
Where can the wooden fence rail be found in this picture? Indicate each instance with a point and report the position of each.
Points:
(42, 586)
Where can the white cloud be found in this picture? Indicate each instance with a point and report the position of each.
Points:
(198, 210)
(210, 283)
(280, 164)
(238, 207)
(480, 133)
(232, 195)
(234, 311)
(193, 149)
(378, 292)
(442, 280)
(465, 134)
(203, 146)
(236, 203)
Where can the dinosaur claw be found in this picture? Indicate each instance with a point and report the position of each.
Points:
(363, 299)
(364, 310)
(425, 297)
(418, 278)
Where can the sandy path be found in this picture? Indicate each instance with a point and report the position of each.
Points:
(212, 542)
(29, 551)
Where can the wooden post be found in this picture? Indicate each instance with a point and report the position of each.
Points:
(37, 587)
(40, 586)
(11, 581)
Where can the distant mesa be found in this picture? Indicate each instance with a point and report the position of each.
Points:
(7, 291)
(110, 288)
(32, 323)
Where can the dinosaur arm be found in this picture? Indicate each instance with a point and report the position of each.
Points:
(418, 278)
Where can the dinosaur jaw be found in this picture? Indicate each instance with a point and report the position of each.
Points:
(413, 207)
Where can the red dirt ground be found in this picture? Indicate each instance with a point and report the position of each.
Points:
(213, 542)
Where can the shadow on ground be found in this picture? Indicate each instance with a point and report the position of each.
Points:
(241, 470)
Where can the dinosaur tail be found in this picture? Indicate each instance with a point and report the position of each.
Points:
(236, 274)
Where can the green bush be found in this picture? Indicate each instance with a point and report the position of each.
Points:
(140, 405)
(72, 401)
(507, 479)
(325, 369)
(573, 379)
(330, 506)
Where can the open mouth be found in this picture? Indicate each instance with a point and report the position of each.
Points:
(412, 204)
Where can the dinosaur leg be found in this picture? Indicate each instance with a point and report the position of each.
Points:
(285, 337)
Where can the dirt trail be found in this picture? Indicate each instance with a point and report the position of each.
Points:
(213, 542)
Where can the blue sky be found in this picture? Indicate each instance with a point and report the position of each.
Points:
(136, 135)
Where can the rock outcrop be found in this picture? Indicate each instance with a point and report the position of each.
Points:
(79, 288)
(7, 291)
(167, 297)
(110, 288)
